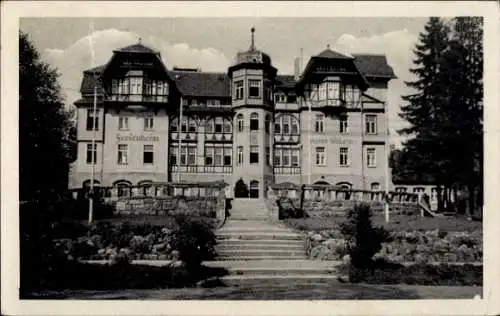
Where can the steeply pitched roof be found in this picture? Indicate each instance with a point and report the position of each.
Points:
(211, 84)
(373, 65)
(136, 48)
(328, 53)
(208, 84)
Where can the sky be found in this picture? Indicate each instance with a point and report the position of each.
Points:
(212, 43)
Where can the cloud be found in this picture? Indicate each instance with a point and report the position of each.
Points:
(74, 59)
(398, 47)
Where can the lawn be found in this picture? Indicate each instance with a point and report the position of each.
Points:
(396, 223)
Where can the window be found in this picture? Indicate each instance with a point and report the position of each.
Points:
(292, 98)
(286, 158)
(218, 124)
(148, 123)
(209, 126)
(92, 120)
(148, 154)
(418, 190)
(122, 154)
(192, 126)
(267, 123)
(268, 156)
(209, 156)
(333, 90)
(254, 88)
(123, 188)
(254, 154)
(191, 156)
(319, 123)
(280, 98)
(123, 123)
(295, 127)
(277, 127)
(238, 90)
(218, 155)
(371, 157)
(295, 158)
(174, 125)
(371, 124)
(286, 124)
(227, 127)
(91, 153)
(184, 124)
(239, 120)
(344, 156)
(320, 156)
(375, 186)
(277, 157)
(213, 102)
(240, 155)
(254, 121)
(401, 190)
(228, 156)
(350, 95)
(343, 127)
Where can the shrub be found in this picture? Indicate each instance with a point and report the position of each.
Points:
(363, 240)
(194, 239)
(288, 210)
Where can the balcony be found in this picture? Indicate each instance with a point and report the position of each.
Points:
(287, 170)
(185, 136)
(218, 137)
(138, 98)
(286, 138)
(202, 169)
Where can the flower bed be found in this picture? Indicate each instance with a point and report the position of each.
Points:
(106, 241)
(405, 246)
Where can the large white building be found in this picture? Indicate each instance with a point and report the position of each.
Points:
(326, 124)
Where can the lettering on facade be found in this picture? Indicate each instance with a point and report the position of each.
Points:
(137, 138)
(326, 141)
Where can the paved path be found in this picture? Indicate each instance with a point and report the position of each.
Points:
(282, 291)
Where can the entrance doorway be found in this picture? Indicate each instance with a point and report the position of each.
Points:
(254, 189)
(240, 189)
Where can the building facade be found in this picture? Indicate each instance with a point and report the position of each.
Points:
(325, 124)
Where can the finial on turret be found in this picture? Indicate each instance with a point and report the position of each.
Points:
(139, 40)
(252, 46)
(327, 46)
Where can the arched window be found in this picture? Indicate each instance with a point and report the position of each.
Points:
(321, 183)
(268, 123)
(240, 122)
(209, 126)
(191, 125)
(375, 186)
(254, 121)
(146, 187)
(123, 187)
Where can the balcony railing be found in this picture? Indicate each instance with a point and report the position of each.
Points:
(287, 170)
(185, 136)
(138, 98)
(286, 138)
(202, 169)
(218, 137)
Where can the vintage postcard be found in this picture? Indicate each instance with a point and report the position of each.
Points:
(270, 158)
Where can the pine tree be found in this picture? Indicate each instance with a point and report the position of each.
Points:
(462, 115)
(46, 134)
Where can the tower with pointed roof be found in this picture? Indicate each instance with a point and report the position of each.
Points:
(252, 83)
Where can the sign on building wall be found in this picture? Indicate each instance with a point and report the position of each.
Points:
(137, 138)
(326, 141)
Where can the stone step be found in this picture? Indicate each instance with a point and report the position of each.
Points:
(285, 280)
(258, 235)
(240, 229)
(249, 217)
(238, 246)
(283, 242)
(260, 252)
(276, 264)
(279, 271)
(249, 258)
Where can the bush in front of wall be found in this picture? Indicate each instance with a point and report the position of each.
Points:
(363, 240)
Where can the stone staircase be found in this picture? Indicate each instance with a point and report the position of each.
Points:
(253, 249)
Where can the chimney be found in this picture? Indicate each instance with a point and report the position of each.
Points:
(297, 69)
